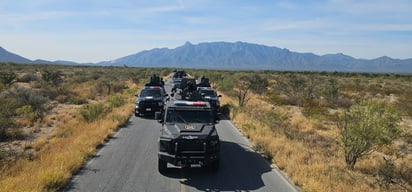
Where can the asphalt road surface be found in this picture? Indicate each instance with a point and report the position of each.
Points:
(128, 162)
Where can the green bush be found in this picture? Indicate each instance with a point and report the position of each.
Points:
(27, 97)
(314, 109)
(76, 100)
(29, 77)
(7, 127)
(52, 77)
(92, 112)
(7, 78)
(116, 101)
(366, 127)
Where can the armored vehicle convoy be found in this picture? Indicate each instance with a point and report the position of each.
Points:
(188, 136)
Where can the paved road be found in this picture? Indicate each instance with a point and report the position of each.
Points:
(128, 162)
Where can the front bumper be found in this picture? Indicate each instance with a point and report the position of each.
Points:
(148, 109)
(184, 159)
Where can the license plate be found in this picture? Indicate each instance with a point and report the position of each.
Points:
(148, 109)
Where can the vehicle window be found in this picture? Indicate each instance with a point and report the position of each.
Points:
(150, 93)
(180, 116)
(209, 93)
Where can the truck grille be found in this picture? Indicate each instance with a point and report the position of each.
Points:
(192, 145)
(149, 104)
(212, 103)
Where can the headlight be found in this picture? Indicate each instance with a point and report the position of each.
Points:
(164, 145)
(213, 143)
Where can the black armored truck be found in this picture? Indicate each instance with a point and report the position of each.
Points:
(152, 97)
(188, 136)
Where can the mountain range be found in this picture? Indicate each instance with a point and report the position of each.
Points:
(242, 56)
(6, 56)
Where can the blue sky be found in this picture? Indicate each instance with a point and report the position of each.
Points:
(101, 30)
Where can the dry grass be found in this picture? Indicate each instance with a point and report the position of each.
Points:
(307, 152)
(60, 155)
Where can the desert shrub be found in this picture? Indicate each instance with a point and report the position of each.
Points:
(313, 109)
(28, 97)
(8, 105)
(116, 101)
(92, 112)
(230, 111)
(274, 97)
(76, 100)
(294, 87)
(28, 77)
(258, 83)
(104, 87)
(118, 86)
(274, 120)
(81, 77)
(226, 85)
(52, 77)
(26, 111)
(7, 78)
(405, 103)
(131, 91)
(8, 128)
(366, 127)
(60, 93)
(391, 174)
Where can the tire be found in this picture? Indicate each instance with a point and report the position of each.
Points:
(162, 166)
(214, 166)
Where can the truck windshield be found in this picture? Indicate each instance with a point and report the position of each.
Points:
(189, 116)
(209, 93)
(150, 93)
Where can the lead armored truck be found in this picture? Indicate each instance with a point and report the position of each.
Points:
(188, 136)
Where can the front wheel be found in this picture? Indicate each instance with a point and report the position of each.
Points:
(162, 166)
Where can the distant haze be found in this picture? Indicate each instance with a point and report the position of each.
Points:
(241, 56)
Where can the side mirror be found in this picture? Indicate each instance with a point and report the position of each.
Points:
(172, 94)
(165, 95)
(219, 96)
(158, 117)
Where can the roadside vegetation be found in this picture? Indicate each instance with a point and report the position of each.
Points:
(326, 131)
(53, 118)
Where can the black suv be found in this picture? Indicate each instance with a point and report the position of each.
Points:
(188, 135)
(150, 100)
(208, 94)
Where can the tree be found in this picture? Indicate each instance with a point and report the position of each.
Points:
(258, 83)
(242, 92)
(366, 127)
(296, 88)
